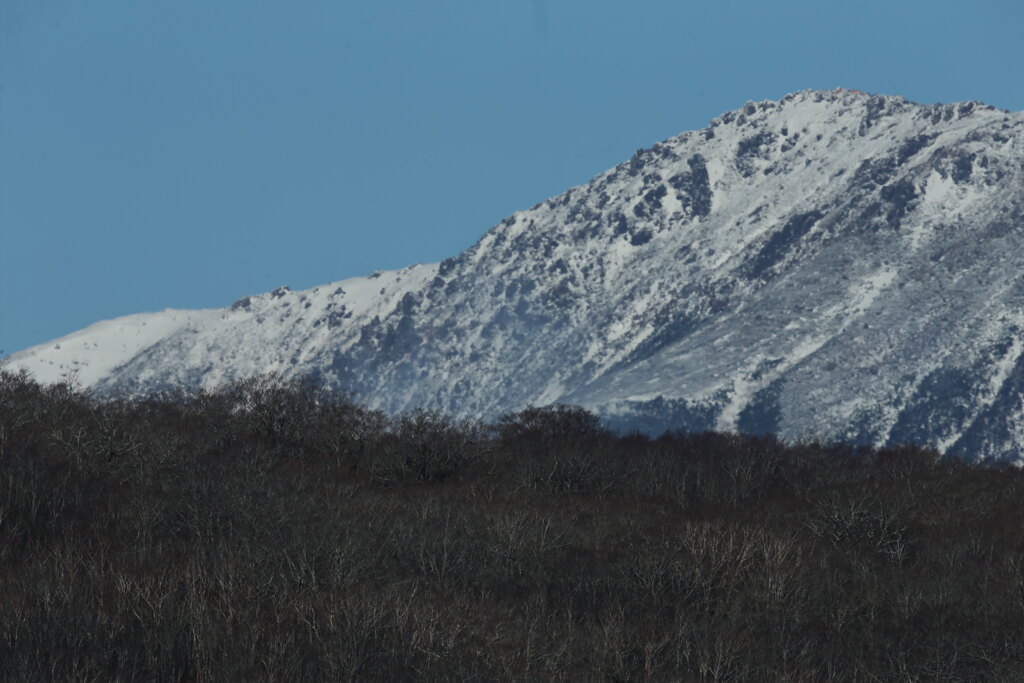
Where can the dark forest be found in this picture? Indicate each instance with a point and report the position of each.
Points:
(273, 530)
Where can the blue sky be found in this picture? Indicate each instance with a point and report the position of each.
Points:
(158, 153)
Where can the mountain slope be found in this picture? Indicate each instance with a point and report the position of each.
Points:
(832, 264)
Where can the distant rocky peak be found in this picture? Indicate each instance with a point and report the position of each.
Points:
(834, 264)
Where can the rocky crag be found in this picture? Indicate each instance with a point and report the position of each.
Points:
(834, 264)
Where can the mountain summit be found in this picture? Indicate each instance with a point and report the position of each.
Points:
(833, 264)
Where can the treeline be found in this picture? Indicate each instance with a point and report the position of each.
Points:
(276, 531)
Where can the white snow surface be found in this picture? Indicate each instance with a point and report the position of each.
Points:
(87, 356)
(842, 265)
(264, 333)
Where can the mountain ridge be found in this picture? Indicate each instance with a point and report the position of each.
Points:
(834, 264)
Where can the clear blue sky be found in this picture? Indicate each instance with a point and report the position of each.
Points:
(184, 153)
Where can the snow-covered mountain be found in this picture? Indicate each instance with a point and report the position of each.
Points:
(834, 264)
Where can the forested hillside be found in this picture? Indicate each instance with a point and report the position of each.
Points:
(277, 531)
